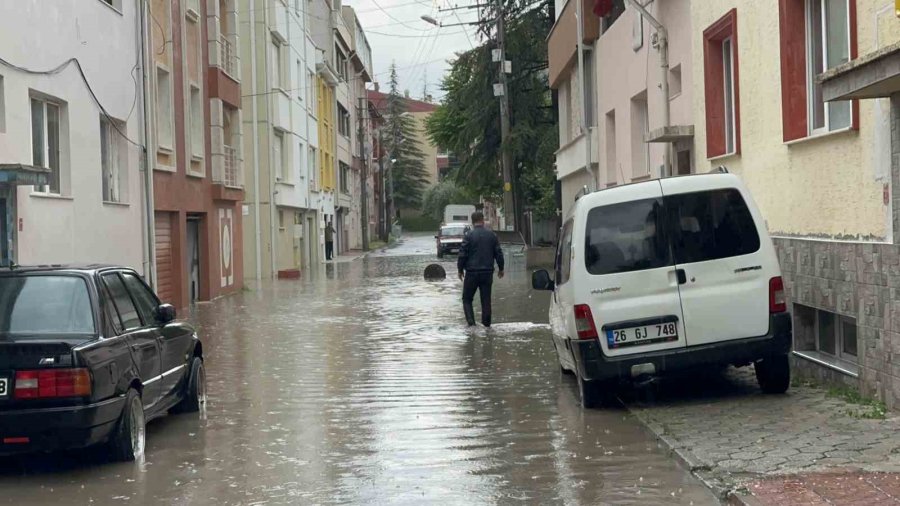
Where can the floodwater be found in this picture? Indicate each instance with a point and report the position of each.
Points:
(361, 385)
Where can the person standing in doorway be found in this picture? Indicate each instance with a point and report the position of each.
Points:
(329, 241)
(479, 250)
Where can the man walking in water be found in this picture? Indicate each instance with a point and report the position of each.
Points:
(329, 241)
(479, 250)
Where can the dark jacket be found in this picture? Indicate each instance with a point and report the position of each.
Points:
(480, 249)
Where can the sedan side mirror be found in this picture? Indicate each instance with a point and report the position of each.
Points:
(540, 280)
(165, 313)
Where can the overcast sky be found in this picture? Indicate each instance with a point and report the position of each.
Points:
(396, 32)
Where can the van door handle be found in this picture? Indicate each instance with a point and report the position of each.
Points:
(682, 277)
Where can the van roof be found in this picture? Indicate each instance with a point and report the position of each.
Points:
(725, 177)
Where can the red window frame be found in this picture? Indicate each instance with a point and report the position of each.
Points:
(794, 101)
(714, 84)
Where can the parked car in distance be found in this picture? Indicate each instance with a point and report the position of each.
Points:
(450, 238)
(664, 275)
(88, 355)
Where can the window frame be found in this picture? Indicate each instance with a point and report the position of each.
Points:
(153, 297)
(195, 113)
(165, 111)
(839, 321)
(564, 261)
(811, 72)
(46, 103)
(114, 162)
(282, 174)
(115, 306)
(728, 85)
(714, 36)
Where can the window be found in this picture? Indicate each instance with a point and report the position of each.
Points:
(626, 237)
(164, 108)
(615, 9)
(278, 72)
(827, 39)
(589, 89)
(710, 225)
(611, 161)
(115, 4)
(196, 123)
(722, 87)
(675, 81)
(313, 170)
(640, 126)
(828, 45)
(345, 177)
(45, 141)
(564, 254)
(829, 334)
(301, 163)
(31, 307)
(2, 107)
(113, 158)
(128, 315)
(311, 90)
(279, 164)
(340, 62)
(343, 121)
(300, 91)
(144, 299)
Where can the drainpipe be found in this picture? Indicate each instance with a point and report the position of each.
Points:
(585, 128)
(149, 153)
(255, 113)
(663, 42)
(269, 136)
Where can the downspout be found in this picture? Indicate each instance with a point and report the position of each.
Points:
(271, 144)
(663, 42)
(255, 113)
(585, 128)
(149, 148)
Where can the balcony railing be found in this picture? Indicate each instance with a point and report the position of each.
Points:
(229, 61)
(231, 167)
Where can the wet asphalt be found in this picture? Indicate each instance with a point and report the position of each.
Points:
(360, 384)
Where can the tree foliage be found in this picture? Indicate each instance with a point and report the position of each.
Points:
(441, 195)
(407, 160)
(468, 120)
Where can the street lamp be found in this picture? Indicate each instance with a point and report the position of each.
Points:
(430, 20)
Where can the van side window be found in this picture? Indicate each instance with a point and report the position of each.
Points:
(564, 255)
(626, 237)
(710, 225)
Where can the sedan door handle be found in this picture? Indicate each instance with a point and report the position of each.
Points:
(681, 276)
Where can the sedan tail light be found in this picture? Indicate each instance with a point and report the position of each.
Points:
(776, 295)
(52, 383)
(584, 322)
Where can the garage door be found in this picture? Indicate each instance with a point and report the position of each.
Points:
(165, 277)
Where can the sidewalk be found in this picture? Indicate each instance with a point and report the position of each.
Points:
(348, 256)
(731, 436)
(850, 488)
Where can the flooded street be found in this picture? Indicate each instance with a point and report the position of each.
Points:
(360, 384)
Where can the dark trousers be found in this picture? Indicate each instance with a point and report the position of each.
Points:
(480, 281)
(329, 250)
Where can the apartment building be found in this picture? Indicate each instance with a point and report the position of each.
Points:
(629, 138)
(71, 135)
(195, 149)
(282, 199)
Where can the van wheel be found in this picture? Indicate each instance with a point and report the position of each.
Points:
(595, 394)
(127, 441)
(773, 374)
(195, 391)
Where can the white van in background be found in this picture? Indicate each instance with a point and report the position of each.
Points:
(458, 213)
(663, 275)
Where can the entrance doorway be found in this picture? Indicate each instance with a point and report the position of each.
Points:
(193, 258)
(4, 232)
(683, 162)
(312, 242)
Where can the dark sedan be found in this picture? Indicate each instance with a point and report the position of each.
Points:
(89, 355)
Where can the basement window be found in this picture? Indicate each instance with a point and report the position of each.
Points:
(826, 338)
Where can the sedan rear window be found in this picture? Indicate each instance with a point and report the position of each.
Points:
(626, 237)
(445, 231)
(42, 306)
(710, 225)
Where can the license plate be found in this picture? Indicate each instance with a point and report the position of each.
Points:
(647, 334)
(4, 388)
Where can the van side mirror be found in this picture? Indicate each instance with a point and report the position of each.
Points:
(165, 313)
(540, 280)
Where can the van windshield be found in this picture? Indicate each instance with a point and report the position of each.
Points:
(626, 237)
(701, 226)
(42, 306)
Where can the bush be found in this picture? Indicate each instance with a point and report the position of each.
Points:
(419, 224)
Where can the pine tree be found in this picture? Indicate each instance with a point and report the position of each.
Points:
(410, 177)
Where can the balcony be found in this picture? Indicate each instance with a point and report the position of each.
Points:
(229, 58)
(562, 44)
(570, 158)
(232, 176)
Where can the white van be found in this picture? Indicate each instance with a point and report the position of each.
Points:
(663, 275)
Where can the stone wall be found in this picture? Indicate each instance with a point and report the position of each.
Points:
(858, 280)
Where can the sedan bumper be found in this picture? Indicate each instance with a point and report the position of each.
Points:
(48, 429)
(594, 365)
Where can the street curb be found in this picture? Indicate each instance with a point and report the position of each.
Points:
(698, 467)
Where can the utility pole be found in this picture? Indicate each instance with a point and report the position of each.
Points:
(364, 174)
(509, 204)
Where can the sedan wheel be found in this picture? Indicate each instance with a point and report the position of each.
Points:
(129, 439)
(195, 392)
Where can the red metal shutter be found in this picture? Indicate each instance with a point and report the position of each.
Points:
(164, 273)
(792, 27)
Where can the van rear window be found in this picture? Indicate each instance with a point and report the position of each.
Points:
(626, 237)
(710, 225)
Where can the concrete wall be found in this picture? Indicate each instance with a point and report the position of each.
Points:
(426, 146)
(827, 187)
(76, 226)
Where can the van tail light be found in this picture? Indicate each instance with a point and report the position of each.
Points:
(584, 322)
(776, 295)
(52, 383)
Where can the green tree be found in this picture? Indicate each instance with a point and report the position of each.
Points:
(441, 195)
(468, 120)
(407, 161)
